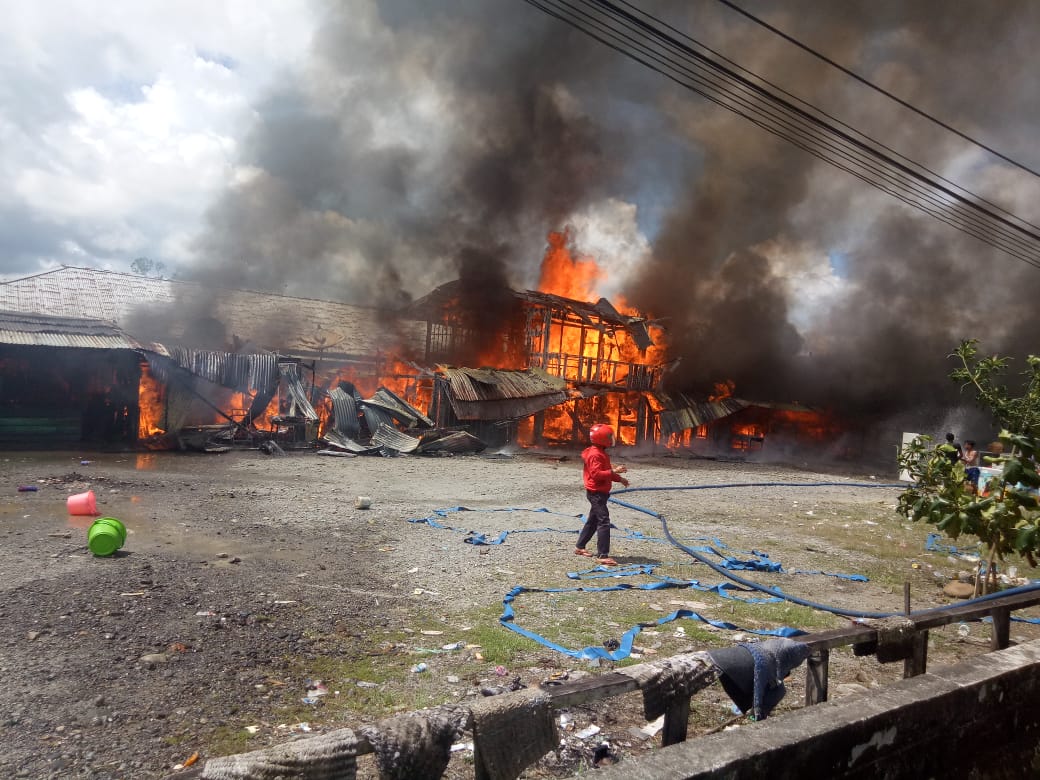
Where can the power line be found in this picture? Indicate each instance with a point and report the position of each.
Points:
(805, 126)
(876, 88)
(809, 139)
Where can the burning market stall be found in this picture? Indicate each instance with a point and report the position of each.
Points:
(205, 400)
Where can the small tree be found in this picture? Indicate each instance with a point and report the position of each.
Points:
(1005, 519)
(145, 266)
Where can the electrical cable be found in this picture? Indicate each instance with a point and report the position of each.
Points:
(800, 126)
(875, 87)
(974, 225)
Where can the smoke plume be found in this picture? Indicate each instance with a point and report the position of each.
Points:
(424, 142)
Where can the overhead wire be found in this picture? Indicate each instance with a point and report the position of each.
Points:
(994, 233)
(848, 127)
(808, 128)
(815, 144)
(881, 90)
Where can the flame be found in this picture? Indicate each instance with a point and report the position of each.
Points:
(723, 390)
(151, 401)
(564, 274)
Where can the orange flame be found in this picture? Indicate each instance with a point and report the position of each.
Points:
(723, 390)
(564, 274)
(151, 400)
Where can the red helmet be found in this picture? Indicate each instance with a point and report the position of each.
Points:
(603, 435)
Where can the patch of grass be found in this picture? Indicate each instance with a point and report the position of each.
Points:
(777, 614)
(227, 740)
(498, 644)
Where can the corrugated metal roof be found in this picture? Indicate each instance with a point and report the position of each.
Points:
(305, 327)
(490, 394)
(35, 330)
(391, 438)
(487, 384)
(680, 413)
(457, 442)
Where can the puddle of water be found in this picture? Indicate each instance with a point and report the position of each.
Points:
(146, 462)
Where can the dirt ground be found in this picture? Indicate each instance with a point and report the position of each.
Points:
(254, 603)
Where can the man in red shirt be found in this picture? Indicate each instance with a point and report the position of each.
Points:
(598, 475)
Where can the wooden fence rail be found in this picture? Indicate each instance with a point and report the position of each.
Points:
(902, 638)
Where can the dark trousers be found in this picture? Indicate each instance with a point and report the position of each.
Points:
(598, 523)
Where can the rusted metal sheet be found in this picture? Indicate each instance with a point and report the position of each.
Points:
(485, 384)
(680, 413)
(488, 394)
(456, 443)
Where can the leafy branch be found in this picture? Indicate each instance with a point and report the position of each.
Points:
(1003, 513)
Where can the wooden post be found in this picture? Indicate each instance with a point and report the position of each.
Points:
(676, 721)
(1000, 638)
(917, 662)
(816, 677)
(906, 597)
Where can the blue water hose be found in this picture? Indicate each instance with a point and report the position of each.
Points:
(776, 591)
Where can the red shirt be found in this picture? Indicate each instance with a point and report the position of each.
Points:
(597, 470)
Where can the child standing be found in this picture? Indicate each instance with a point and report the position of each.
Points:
(598, 475)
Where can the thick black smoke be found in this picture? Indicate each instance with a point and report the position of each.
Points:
(425, 141)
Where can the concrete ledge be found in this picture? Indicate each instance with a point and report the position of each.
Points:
(977, 719)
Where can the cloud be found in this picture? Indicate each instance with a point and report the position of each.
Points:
(119, 122)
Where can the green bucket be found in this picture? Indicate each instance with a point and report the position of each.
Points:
(105, 536)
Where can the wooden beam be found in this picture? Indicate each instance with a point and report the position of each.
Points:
(676, 721)
(817, 677)
(1000, 637)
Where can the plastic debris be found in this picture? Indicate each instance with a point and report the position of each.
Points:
(453, 646)
(315, 690)
(612, 644)
(419, 668)
(501, 671)
(589, 731)
(963, 630)
(27, 488)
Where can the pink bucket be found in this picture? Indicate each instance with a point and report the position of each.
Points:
(83, 504)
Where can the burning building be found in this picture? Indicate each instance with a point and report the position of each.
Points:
(549, 369)
(455, 370)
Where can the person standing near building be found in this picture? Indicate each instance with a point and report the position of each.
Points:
(970, 458)
(951, 449)
(598, 475)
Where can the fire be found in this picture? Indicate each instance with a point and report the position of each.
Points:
(564, 274)
(723, 390)
(151, 400)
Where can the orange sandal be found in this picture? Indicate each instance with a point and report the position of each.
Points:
(606, 562)
(582, 551)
